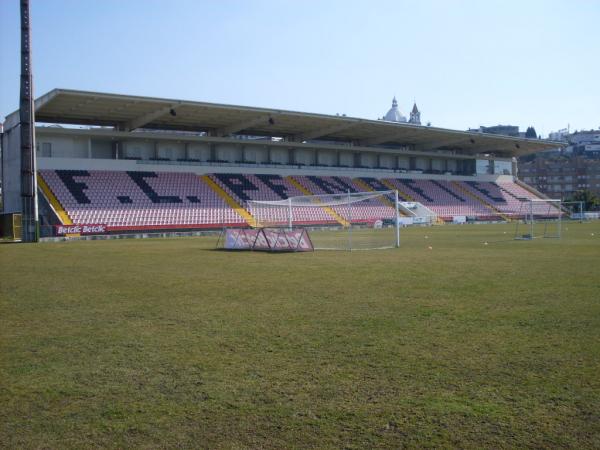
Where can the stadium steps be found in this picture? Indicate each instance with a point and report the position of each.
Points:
(530, 189)
(404, 195)
(60, 211)
(229, 200)
(488, 205)
(327, 209)
(365, 187)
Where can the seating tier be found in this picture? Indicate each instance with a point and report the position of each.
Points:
(367, 211)
(136, 200)
(244, 188)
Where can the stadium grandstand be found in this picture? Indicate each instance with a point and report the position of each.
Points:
(125, 164)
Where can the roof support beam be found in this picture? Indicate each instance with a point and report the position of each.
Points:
(314, 134)
(149, 117)
(231, 129)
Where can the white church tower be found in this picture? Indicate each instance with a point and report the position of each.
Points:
(415, 115)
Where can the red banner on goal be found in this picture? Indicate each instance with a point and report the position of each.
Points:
(268, 239)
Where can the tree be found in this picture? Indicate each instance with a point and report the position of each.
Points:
(590, 200)
(530, 133)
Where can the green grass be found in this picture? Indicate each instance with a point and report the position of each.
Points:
(168, 343)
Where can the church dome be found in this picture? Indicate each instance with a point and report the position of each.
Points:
(393, 115)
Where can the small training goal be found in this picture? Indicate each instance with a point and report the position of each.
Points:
(538, 218)
(348, 221)
(574, 210)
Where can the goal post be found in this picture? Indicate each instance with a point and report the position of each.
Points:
(345, 221)
(539, 218)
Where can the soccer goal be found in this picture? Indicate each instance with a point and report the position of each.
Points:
(349, 221)
(538, 218)
(574, 210)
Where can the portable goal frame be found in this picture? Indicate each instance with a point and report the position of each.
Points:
(542, 218)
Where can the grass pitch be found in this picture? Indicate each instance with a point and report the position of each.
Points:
(168, 343)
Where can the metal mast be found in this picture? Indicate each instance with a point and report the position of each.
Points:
(27, 128)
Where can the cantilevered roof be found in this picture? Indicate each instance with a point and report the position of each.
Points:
(127, 112)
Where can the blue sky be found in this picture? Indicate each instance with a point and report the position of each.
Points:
(467, 63)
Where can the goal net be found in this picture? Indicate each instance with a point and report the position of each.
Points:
(538, 218)
(350, 221)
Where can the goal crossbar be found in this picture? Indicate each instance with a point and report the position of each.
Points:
(320, 201)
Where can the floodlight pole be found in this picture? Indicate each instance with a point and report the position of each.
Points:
(396, 207)
(29, 204)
